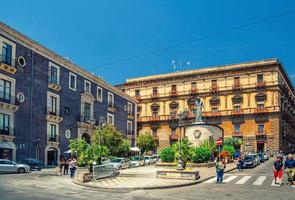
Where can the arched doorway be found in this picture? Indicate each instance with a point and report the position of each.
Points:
(86, 137)
(52, 156)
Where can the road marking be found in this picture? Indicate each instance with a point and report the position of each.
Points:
(211, 180)
(273, 183)
(230, 179)
(243, 180)
(259, 180)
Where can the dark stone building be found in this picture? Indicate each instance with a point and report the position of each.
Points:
(46, 100)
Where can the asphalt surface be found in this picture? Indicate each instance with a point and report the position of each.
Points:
(252, 184)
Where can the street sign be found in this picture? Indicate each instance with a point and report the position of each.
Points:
(219, 141)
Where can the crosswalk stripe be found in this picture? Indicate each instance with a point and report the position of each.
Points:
(259, 180)
(273, 183)
(211, 180)
(243, 180)
(230, 179)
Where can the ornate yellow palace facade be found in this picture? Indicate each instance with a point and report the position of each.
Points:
(254, 101)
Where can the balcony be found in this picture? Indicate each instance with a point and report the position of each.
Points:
(8, 103)
(130, 115)
(173, 93)
(7, 64)
(53, 117)
(7, 134)
(85, 122)
(260, 84)
(53, 83)
(237, 134)
(260, 134)
(236, 87)
(155, 96)
(53, 139)
(154, 118)
(212, 114)
(173, 137)
(237, 112)
(261, 110)
(111, 107)
(214, 89)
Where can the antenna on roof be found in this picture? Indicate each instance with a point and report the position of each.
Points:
(173, 63)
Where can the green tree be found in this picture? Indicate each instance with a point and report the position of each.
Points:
(79, 147)
(186, 149)
(146, 142)
(233, 141)
(113, 139)
(229, 149)
(167, 155)
(209, 144)
(201, 155)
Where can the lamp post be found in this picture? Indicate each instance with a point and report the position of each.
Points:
(181, 122)
(101, 123)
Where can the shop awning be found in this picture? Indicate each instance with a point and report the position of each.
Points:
(7, 145)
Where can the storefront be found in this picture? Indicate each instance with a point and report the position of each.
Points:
(7, 150)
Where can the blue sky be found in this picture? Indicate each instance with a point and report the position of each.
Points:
(94, 33)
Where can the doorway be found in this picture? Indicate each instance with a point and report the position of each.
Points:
(260, 146)
(52, 156)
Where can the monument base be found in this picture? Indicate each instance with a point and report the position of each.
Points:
(175, 174)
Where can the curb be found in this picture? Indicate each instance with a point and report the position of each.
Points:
(122, 189)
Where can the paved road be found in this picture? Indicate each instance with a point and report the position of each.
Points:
(252, 184)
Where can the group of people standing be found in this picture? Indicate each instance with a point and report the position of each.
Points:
(289, 166)
(65, 165)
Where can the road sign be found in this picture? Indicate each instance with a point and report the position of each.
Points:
(219, 141)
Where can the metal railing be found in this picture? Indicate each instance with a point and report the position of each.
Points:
(53, 138)
(7, 131)
(85, 119)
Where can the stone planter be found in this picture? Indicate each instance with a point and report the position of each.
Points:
(196, 165)
(166, 165)
(83, 177)
(175, 174)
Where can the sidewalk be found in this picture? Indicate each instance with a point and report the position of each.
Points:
(145, 178)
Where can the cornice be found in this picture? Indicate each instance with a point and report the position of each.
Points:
(14, 35)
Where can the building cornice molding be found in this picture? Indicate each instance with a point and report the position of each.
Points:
(14, 35)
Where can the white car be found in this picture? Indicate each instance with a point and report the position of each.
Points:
(155, 158)
(137, 161)
(8, 166)
(148, 160)
(120, 163)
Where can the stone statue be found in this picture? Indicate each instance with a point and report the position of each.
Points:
(199, 106)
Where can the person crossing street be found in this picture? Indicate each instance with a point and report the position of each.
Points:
(220, 167)
(290, 169)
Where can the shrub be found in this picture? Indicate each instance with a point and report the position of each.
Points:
(229, 149)
(167, 155)
(201, 155)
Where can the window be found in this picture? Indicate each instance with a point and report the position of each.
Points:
(99, 94)
(4, 124)
(137, 93)
(237, 108)
(260, 78)
(87, 111)
(52, 103)
(173, 88)
(129, 108)
(72, 81)
(67, 110)
(214, 109)
(129, 127)
(173, 131)
(52, 131)
(155, 113)
(52, 108)
(155, 91)
(237, 128)
(111, 119)
(5, 90)
(111, 99)
(214, 83)
(154, 131)
(87, 87)
(260, 128)
(260, 105)
(53, 73)
(236, 81)
(193, 86)
(6, 53)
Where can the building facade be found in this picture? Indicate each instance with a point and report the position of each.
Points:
(253, 101)
(46, 100)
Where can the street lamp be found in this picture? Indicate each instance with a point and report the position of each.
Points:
(181, 122)
(101, 123)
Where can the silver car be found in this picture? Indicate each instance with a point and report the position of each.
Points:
(7, 166)
(120, 163)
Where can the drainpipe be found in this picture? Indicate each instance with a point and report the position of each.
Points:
(31, 56)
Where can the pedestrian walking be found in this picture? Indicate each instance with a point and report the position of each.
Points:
(240, 164)
(278, 170)
(220, 166)
(61, 165)
(72, 166)
(290, 169)
(66, 167)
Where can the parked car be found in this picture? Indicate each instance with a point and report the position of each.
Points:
(249, 162)
(137, 161)
(261, 157)
(33, 163)
(120, 163)
(148, 160)
(257, 160)
(105, 160)
(155, 158)
(266, 156)
(10, 167)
